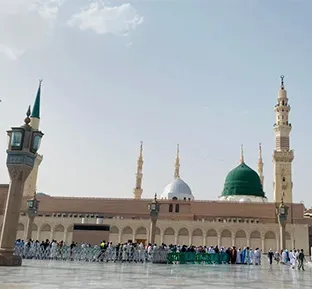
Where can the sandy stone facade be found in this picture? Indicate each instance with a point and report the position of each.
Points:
(190, 222)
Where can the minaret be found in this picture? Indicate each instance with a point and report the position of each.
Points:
(282, 155)
(177, 164)
(31, 181)
(260, 165)
(137, 191)
(35, 115)
(242, 160)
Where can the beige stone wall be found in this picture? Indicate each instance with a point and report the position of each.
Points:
(92, 237)
(264, 236)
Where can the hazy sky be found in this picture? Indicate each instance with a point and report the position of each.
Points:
(201, 73)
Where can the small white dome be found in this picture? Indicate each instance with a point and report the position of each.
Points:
(245, 200)
(177, 189)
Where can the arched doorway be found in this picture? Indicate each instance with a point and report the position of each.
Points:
(183, 237)
(141, 235)
(226, 238)
(126, 235)
(240, 239)
(197, 237)
(255, 240)
(113, 235)
(45, 232)
(169, 236)
(58, 233)
(269, 242)
(212, 238)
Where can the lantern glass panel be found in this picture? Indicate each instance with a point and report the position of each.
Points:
(16, 140)
(36, 143)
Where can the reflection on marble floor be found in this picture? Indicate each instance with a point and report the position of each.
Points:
(72, 275)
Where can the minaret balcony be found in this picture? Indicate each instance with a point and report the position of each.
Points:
(283, 156)
(286, 128)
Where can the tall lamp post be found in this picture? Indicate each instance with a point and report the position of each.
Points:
(24, 142)
(154, 212)
(32, 210)
(282, 213)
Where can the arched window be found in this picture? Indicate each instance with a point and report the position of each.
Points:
(170, 208)
(284, 180)
(177, 208)
(184, 199)
(174, 198)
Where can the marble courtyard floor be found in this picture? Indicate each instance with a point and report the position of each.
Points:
(73, 275)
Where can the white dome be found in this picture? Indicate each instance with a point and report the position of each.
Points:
(245, 200)
(177, 189)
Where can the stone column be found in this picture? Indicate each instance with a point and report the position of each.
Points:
(161, 237)
(30, 222)
(282, 227)
(65, 236)
(152, 230)
(262, 245)
(278, 247)
(18, 175)
(52, 234)
(176, 239)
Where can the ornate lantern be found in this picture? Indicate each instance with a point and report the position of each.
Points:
(154, 208)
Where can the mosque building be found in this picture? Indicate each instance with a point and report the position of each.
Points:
(242, 216)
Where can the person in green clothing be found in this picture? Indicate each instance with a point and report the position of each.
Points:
(301, 260)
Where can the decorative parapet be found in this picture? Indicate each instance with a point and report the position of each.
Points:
(283, 156)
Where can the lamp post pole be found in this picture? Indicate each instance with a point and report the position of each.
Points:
(154, 212)
(282, 213)
(22, 150)
(32, 210)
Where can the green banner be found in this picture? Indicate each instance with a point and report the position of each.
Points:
(197, 258)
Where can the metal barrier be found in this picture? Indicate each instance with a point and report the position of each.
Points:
(197, 258)
(115, 254)
(88, 254)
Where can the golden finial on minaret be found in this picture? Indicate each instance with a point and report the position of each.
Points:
(242, 155)
(27, 119)
(260, 165)
(177, 164)
(137, 191)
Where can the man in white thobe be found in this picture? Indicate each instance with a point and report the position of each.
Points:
(238, 256)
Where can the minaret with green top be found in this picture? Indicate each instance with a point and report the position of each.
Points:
(31, 182)
(35, 115)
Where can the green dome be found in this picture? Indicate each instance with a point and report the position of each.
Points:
(243, 181)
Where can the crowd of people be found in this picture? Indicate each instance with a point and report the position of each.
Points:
(138, 252)
(293, 257)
